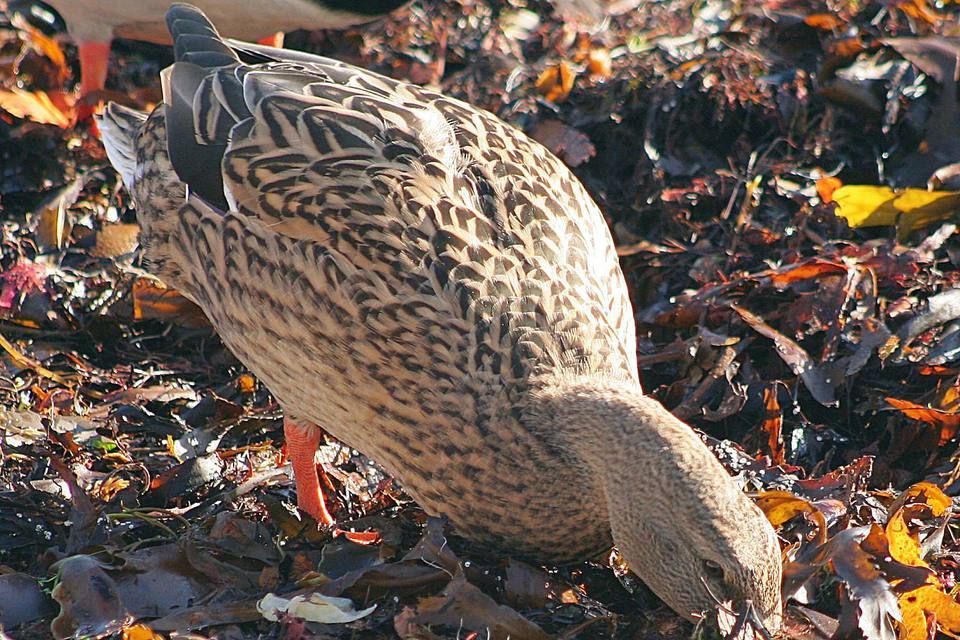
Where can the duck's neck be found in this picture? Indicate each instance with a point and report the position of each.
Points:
(651, 467)
(613, 427)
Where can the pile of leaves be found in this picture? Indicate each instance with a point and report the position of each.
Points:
(781, 179)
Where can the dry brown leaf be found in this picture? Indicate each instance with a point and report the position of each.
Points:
(818, 380)
(463, 605)
(90, 602)
(556, 82)
(116, 240)
(569, 144)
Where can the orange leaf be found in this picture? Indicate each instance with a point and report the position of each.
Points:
(918, 9)
(598, 62)
(948, 423)
(46, 46)
(772, 424)
(246, 383)
(924, 493)
(154, 301)
(140, 632)
(556, 82)
(824, 21)
(36, 106)
(804, 271)
(826, 186)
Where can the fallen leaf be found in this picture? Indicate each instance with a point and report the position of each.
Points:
(37, 106)
(781, 506)
(556, 82)
(925, 493)
(312, 607)
(153, 300)
(910, 209)
(116, 240)
(947, 423)
(804, 271)
(877, 604)
(826, 186)
(90, 603)
(903, 544)
(599, 63)
(141, 632)
(464, 606)
(929, 598)
(567, 143)
(819, 381)
(772, 424)
(824, 21)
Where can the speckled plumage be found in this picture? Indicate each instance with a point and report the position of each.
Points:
(439, 291)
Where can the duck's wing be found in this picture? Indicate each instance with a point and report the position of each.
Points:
(429, 193)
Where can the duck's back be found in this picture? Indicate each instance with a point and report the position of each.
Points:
(396, 265)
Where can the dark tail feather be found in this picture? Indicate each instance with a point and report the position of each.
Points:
(199, 51)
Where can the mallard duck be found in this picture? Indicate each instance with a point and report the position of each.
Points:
(437, 290)
(93, 24)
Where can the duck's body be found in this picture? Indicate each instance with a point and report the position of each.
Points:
(437, 290)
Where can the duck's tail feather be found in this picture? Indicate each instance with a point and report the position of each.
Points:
(120, 127)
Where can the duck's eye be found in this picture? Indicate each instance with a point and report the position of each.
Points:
(712, 569)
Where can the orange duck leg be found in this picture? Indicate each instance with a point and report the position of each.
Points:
(94, 61)
(302, 443)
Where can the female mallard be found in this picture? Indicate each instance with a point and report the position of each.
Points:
(438, 291)
(93, 24)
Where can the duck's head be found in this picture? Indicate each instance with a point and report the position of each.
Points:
(676, 516)
(698, 556)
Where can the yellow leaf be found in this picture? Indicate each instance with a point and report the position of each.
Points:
(140, 632)
(781, 506)
(928, 598)
(904, 546)
(872, 206)
(924, 493)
